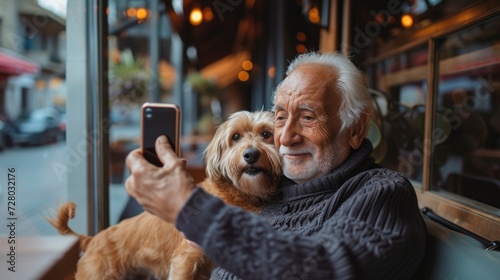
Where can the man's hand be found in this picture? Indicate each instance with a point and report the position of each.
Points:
(161, 191)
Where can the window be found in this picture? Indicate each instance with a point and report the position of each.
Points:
(436, 90)
(466, 128)
(399, 91)
(142, 68)
(32, 114)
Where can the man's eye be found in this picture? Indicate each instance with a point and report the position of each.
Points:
(279, 116)
(308, 118)
(236, 137)
(279, 119)
(266, 134)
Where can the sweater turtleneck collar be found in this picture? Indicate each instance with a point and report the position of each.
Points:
(359, 160)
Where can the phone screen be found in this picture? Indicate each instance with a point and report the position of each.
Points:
(159, 119)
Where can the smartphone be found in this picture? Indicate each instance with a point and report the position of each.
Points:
(159, 119)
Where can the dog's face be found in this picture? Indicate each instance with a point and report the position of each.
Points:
(243, 152)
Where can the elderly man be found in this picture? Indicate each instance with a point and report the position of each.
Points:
(338, 215)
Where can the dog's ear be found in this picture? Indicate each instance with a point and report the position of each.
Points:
(214, 152)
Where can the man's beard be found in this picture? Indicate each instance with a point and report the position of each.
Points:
(310, 169)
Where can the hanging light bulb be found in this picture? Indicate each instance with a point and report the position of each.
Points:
(247, 65)
(142, 14)
(243, 76)
(131, 12)
(196, 16)
(406, 21)
(208, 15)
(313, 15)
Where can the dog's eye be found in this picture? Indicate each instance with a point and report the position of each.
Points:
(266, 134)
(236, 137)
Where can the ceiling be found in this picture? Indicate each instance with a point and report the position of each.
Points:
(234, 28)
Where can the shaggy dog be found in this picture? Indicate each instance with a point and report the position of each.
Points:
(243, 168)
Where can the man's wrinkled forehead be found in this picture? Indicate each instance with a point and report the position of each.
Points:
(302, 106)
(305, 88)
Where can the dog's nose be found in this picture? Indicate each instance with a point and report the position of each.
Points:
(251, 155)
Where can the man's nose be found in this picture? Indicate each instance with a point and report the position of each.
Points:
(289, 134)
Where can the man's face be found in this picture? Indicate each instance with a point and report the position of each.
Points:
(307, 123)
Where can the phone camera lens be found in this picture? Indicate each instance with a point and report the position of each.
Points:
(149, 113)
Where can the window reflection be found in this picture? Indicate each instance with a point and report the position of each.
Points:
(33, 113)
(399, 91)
(141, 69)
(466, 154)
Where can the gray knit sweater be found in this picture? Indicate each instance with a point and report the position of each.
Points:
(358, 222)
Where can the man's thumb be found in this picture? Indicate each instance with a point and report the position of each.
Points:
(163, 148)
(162, 144)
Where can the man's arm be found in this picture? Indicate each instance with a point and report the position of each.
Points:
(244, 243)
(376, 236)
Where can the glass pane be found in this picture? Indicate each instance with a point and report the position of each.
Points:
(141, 69)
(396, 131)
(466, 155)
(33, 156)
(130, 77)
(378, 22)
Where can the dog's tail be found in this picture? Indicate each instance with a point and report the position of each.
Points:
(60, 222)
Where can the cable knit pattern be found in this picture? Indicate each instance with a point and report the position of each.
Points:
(359, 222)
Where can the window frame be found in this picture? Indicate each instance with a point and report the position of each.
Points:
(87, 135)
(480, 222)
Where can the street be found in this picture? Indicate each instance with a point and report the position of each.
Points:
(38, 189)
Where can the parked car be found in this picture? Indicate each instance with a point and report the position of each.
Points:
(6, 130)
(2, 135)
(40, 126)
(62, 127)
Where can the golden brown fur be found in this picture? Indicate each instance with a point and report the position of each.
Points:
(243, 168)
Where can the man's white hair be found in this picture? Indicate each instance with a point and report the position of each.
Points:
(350, 84)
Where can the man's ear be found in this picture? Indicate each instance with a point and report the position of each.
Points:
(358, 131)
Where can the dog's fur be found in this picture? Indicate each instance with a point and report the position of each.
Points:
(243, 168)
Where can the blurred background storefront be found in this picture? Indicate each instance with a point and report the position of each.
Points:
(74, 74)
